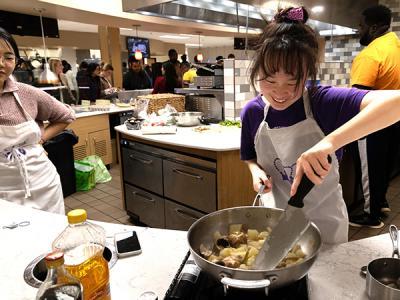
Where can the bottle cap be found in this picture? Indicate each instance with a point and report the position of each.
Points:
(77, 216)
(54, 259)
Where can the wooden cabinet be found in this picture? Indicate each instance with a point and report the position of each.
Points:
(94, 137)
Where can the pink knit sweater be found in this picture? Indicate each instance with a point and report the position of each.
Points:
(39, 105)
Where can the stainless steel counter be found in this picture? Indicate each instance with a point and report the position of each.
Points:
(199, 91)
(209, 101)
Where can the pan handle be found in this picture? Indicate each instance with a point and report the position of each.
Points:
(394, 235)
(246, 284)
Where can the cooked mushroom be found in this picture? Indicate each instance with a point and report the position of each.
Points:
(222, 242)
(236, 239)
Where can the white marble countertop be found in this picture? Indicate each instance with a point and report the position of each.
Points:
(218, 138)
(335, 274)
(113, 109)
(152, 270)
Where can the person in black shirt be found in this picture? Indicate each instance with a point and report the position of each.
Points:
(136, 78)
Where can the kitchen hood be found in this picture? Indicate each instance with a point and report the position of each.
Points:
(337, 18)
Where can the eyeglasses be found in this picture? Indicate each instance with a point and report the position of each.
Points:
(7, 58)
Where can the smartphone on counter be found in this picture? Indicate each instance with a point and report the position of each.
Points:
(127, 243)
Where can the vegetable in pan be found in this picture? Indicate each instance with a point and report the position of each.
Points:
(239, 248)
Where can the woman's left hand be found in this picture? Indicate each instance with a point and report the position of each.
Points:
(314, 164)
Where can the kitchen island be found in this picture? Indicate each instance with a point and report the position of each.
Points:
(335, 274)
(95, 132)
(170, 180)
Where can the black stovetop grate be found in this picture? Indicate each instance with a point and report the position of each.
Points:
(208, 288)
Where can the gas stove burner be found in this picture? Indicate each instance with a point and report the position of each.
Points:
(206, 287)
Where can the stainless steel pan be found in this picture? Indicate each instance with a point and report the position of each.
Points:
(187, 118)
(201, 232)
(383, 274)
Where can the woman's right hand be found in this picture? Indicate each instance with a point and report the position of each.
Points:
(260, 177)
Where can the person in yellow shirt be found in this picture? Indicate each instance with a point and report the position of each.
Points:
(376, 67)
(188, 73)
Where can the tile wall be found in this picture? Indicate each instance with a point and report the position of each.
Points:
(335, 70)
(237, 87)
(339, 52)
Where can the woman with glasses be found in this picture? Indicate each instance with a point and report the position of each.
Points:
(27, 175)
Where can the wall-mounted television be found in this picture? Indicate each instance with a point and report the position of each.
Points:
(143, 44)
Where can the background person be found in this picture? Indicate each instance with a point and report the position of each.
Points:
(135, 78)
(93, 74)
(27, 175)
(168, 81)
(82, 79)
(189, 73)
(106, 74)
(71, 79)
(289, 130)
(376, 67)
(57, 68)
(173, 59)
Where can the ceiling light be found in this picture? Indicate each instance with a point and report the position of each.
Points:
(317, 9)
(178, 37)
(47, 76)
(194, 45)
(126, 28)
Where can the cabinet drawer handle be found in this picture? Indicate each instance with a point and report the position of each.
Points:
(187, 174)
(143, 161)
(186, 214)
(143, 196)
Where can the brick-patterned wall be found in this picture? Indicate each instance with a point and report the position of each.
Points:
(335, 70)
(341, 51)
(237, 88)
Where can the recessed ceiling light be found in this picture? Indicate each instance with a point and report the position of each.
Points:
(178, 37)
(194, 45)
(317, 9)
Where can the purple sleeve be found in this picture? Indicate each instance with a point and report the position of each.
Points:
(334, 106)
(251, 115)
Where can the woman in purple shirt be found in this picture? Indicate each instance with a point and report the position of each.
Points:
(290, 129)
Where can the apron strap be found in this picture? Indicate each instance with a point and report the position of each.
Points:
(27, 116)
(18, 154)
(307, 104)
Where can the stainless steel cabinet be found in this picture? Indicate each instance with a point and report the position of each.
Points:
(180, 217)
(143, 170)
(189, 185)
(153, 176)
(149, 207)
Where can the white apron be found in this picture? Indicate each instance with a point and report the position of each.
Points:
(277, 152)
(27, 176)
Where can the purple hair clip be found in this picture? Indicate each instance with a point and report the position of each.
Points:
(295, 14)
